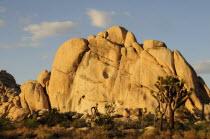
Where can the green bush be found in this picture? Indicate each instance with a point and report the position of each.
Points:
(180, 126)
(78, 123)
(52, 118)
(31, 123)
(147, 120)
(6, 124)
(184, 115)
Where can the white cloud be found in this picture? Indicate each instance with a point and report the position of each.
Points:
(2, 22)
(99, 18)
(49, 29)
(2, 9)
(202, 67)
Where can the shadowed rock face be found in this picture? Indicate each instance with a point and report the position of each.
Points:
(114, 67)
(109, 68)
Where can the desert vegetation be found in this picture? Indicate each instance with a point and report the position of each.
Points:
(172, 120)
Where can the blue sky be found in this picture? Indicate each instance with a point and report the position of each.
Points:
(32, 30)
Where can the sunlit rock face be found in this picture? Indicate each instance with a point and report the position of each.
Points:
(111, 67)
(114, 68)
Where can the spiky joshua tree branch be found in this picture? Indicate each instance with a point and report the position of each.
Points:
(171, 95)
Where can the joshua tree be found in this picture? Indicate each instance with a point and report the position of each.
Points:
(161, 108)
(171, 95)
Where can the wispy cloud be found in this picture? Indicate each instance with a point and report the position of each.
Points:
(2, 9)
(32, 44)
(19, 45)
(49, 29)
(2, 22)
(202, 67)
(99, 18)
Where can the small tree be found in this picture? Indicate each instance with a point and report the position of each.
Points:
(171, 95)
(161, 108)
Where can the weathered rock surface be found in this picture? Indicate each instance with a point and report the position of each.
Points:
(9, 94)
(33, 97)
(114, 67)
(117, 35)
(63, 73)
(17, 113)
(109, 68)
(43, 78)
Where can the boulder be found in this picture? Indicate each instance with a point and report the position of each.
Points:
(137, 47)
(186, 72)
(17, 113)
(126, 113)
(117, 34)
(134, 117)
(33, 97)
(103, 34)
(43, 78)
(90, 37)
(153, 44)
(130, 38)
(7, 78)
(65, 64)
(4, 108)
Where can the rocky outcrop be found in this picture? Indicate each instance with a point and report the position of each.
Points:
(16, 103)
(33, 97)
(65, 65)
(111, 67)
(9, 96)
(44, 78)
(114, 68)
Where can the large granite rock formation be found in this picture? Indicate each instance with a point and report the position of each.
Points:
(111, 67)
(114, 68)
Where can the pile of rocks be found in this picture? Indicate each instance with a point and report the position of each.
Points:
(17, 102)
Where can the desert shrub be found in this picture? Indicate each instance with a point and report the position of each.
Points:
(49, 118)
(180, 126)
(107, 131)
(31, 123)
(78, 123)
(202, 129)
(105, 120)
(103, 123)
(110, 109)
(45, 132)
(147, 121)
(52, 118)
(6, 124)
(184, 115)
(65, 124)
(133, 125)
(102, 119)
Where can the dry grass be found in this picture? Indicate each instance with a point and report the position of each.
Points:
(99, 132)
